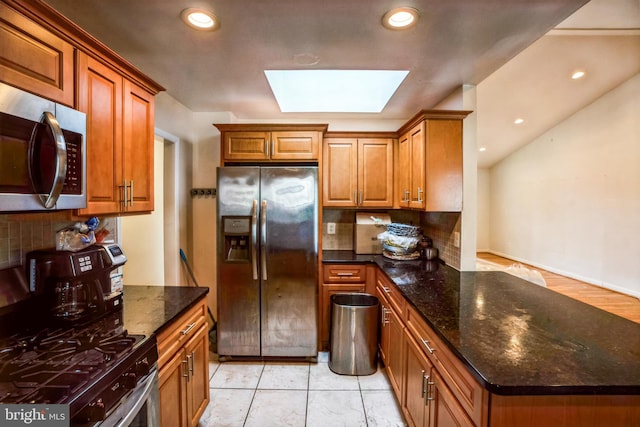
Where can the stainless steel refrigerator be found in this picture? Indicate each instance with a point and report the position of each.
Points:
(267, 255)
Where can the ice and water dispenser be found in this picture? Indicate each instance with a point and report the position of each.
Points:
(237, 234)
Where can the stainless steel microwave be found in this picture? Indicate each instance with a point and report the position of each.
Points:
(42, 153)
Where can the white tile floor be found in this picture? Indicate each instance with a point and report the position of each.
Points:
(269, 394)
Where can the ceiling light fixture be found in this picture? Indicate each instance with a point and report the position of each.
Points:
(200, 19)
(482, 149)
(518, 121)
(400, 18)
(578, 75)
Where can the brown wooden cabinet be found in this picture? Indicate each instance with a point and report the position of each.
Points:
(357, 171)
(429, 162)
(35, 59)
(183, 363)
(410, 186)
(43, 52)
(338, 278)
(265, 143)
(120, 121)
(391, 331)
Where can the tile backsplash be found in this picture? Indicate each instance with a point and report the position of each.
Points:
(22, 233)
(439, 226)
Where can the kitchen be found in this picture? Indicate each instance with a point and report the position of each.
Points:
(206, 157)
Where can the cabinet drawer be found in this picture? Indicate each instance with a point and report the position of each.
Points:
(176, 335)
(465, 388)
(342, 273)
(392, 293)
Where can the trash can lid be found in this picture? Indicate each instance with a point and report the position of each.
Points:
(354, 299)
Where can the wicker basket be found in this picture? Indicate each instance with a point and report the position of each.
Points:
(403, 230)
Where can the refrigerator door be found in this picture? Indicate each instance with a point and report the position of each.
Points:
(238, 283)
(288, 267)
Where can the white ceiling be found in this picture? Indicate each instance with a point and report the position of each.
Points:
(455, 43)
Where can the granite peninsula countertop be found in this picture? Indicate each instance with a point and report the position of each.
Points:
(147, 309)
(516, 337)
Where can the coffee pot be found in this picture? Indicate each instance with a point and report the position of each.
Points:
(76, 286)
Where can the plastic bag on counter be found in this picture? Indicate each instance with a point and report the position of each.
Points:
(402, 242)
(523, 272)
(78, 236)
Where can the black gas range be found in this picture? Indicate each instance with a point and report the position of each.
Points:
(90, 368)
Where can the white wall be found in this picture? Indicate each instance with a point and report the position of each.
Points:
(569, 201)
(141, 241)
(484, 210)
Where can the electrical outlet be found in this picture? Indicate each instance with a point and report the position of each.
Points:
(456, 239)
(331, 228)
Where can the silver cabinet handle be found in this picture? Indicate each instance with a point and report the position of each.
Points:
(386, 290)
(429, 389)
(267, 143)
(385, 319)
(406, 196)
(355, 197)
(188, 328)
(254, 239)
(420, 191)
(124, 196)
(50, 199)
(345, 274)
(426, 344)
(185, 369)
(263, 239)
(423, 390)
(190, 358)
(131, 194)
(361, 197)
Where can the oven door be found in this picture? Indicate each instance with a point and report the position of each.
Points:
(139, 407)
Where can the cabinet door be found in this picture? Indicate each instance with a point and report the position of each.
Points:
(385, 313)
(444, 409)
(251, 146)
(340, 172)
(417, 384)
(444, 165)
(197, 355)
(375, 172)
(137, 153)
(292, 145)
(403, 174)
(100, 97)
(172, 386)
(395, 354)
(34, 59)
(417, 166)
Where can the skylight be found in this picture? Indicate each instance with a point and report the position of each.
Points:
(334, 91)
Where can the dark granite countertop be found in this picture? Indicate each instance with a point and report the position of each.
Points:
(346, 257)
(148, 309)
(519, 338)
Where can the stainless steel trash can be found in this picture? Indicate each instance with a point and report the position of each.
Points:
(354, 334)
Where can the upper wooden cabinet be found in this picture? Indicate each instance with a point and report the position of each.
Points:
(357, 171)
(37, 51)
(429, 165)
(265, 143)
(35, 59)
(120, 140)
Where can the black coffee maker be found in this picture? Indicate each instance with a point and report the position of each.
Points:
(77, 287)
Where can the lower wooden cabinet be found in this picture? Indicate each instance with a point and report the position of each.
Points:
(391, 342)
(183, 359)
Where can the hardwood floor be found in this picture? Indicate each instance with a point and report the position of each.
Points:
(614, 302)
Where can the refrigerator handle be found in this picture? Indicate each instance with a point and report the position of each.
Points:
(263, 240)
(254, 239)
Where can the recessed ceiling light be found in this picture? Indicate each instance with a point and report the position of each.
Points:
(577, 75)
(518, 121)
(400, 18)
(334, 91)
(200, 19)
(482, 149)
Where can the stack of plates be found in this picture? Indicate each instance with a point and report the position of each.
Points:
(408, 237)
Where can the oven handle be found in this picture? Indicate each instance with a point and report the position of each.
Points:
(148, 395)
(50, 199)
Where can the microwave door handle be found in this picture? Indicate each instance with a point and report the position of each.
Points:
(254, 238)
(50, 199)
